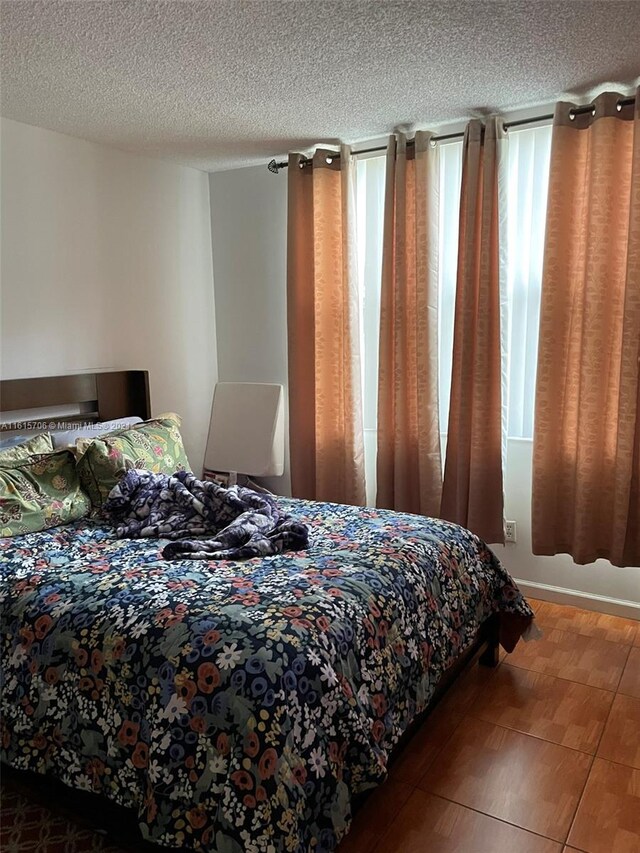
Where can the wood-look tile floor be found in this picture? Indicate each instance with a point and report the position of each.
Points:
(540, 755)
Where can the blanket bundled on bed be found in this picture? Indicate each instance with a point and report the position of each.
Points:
(206, 520)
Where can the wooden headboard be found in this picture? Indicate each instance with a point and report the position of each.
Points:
(99, 397)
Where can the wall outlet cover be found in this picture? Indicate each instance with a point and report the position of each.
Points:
(510, 531)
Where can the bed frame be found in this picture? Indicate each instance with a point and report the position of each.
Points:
(119, 394)
(103, 396)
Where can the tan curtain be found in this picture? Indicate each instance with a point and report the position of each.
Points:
(472, 493)
(586, 463)
(409, 468)
(325, 409)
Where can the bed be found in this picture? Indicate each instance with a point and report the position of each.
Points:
(239, 706)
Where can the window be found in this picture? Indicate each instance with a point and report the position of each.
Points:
(525, 178)
(528, 153)
(370, 212)
(450, 181)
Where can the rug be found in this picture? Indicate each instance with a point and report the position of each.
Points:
(27, 826)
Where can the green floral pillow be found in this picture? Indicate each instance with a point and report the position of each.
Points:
(155, 445)
(40, 491)
(41, 443)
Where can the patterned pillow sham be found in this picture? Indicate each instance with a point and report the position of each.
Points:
(154, 445)
(39, 492)
(41, 443)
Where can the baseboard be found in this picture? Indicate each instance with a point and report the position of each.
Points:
(586, 600)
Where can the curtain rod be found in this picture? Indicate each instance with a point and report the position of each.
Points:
(274, 166)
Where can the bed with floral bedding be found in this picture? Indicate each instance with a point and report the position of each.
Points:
(237, 706)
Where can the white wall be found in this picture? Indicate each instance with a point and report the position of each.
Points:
(106, 263)
(249, 237)
(248, 218)
(607, 584)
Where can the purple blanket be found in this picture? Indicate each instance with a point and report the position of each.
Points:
(206, 520)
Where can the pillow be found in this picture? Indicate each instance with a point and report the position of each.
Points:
(155, 445)
(11, 441)
(40, 491)
(18, 447)
(69, 437)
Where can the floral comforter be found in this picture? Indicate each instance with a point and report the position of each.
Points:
(236, 706)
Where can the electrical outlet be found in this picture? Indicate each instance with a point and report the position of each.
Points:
(510, 531)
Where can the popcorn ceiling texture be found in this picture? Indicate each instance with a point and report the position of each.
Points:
(223, 84)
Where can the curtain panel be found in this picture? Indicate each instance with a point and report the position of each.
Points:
(325, 401)
(472, 493)
(409, 468)
(586, 461)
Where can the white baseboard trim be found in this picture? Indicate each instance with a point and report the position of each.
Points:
(586, 600)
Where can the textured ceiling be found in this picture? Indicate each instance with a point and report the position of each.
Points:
(221, 84)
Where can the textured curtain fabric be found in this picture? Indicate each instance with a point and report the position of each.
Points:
(472, 493)
(586, 462)
(409, 468)
(325, 403)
